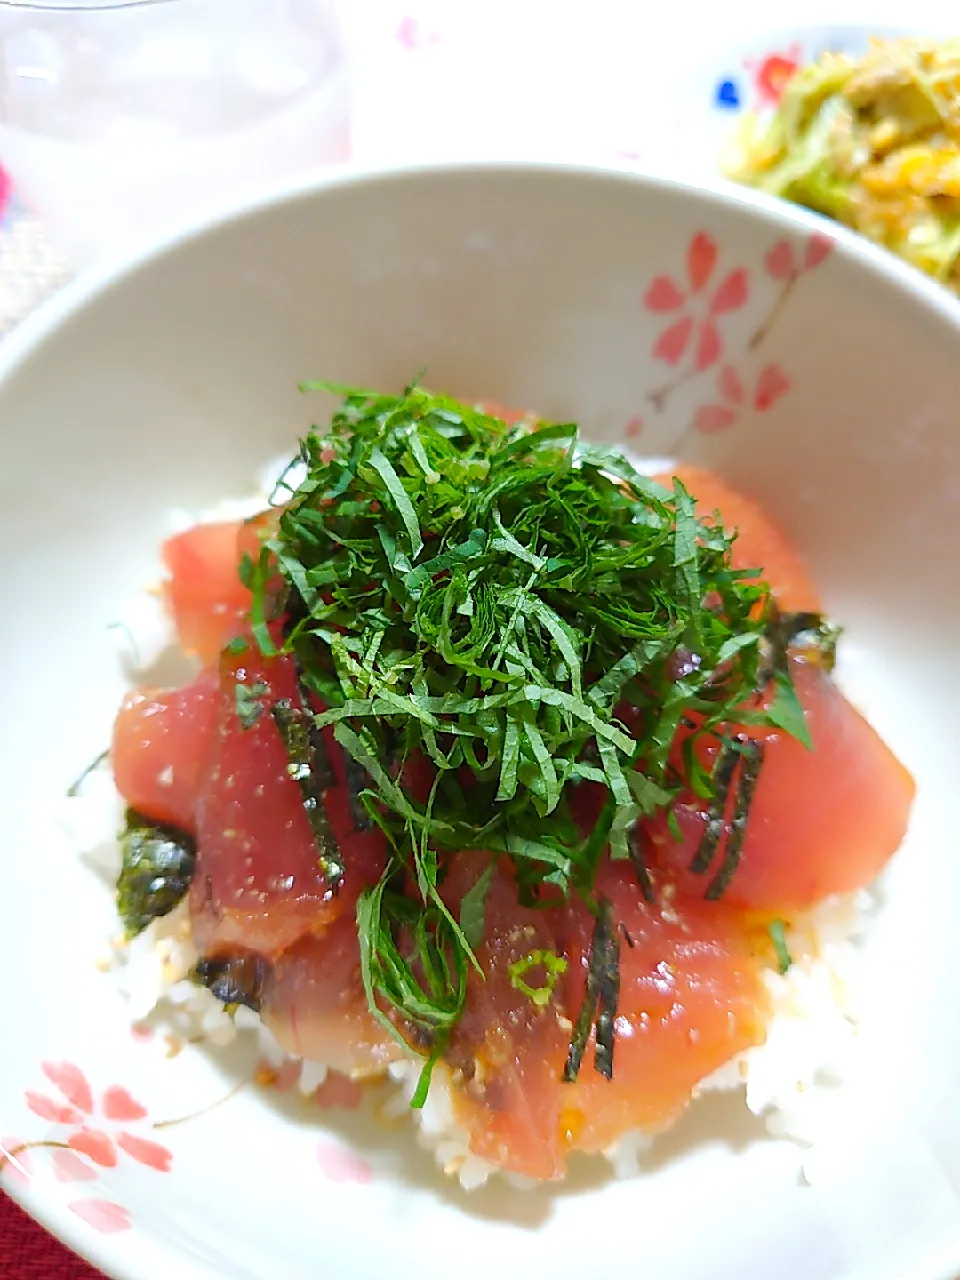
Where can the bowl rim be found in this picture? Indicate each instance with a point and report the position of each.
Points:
(97, 281)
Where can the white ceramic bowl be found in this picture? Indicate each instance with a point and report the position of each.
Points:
(804, 365)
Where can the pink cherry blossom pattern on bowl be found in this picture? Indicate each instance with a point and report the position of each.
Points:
(694, 343)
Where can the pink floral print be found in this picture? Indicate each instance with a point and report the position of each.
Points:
(88, 1135)
(693, 342)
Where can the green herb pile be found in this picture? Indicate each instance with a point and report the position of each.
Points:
(527, 612)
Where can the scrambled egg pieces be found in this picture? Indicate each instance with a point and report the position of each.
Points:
(873, 143)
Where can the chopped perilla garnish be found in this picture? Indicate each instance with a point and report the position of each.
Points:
(512, 605)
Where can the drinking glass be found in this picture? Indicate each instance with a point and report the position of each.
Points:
(119, 118)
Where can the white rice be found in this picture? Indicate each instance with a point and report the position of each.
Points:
(789, 1080)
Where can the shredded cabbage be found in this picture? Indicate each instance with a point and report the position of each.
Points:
(873, 143)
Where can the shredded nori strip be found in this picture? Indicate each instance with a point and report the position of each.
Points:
(158, 864)
(357, 780)
(724, 768)
(750, 764)
(581, 1030)
(322, 768)
(640, 867)
(239, 980)
(817, 639)
(608, 998)
(808, 633)
(602, 989)
(301, 746)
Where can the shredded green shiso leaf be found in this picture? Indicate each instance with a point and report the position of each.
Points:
(526, 611)
(778, 936)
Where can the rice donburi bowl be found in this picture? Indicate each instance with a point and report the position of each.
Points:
(678, 345)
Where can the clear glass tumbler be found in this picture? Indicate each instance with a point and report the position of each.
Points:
(116, 119)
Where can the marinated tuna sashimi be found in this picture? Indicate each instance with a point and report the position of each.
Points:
(505, 758)
(819, 822)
